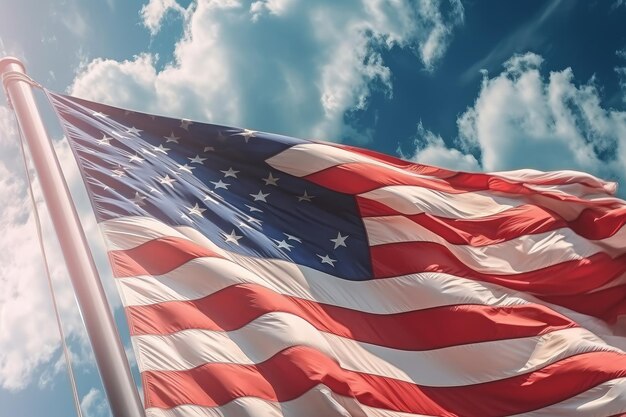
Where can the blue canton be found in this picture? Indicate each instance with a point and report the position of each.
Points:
(214, 179)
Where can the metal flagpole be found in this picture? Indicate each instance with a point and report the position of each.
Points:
(109, 352)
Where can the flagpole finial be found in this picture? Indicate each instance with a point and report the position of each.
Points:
(11, 60)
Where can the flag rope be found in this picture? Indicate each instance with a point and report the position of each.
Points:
(17, 76)
(57, 315)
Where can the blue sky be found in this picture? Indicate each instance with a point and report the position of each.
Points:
(467, 84)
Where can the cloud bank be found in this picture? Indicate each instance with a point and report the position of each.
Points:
(29, 339)
(524, 118)
(293, 64)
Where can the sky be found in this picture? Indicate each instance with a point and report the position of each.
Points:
(465, 84)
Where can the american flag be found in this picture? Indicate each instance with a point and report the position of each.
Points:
(264, 275)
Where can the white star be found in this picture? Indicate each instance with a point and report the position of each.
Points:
(197, 210)
(154, 190)
(185, 168)
(133, 131)
(340, 240)
(327, 260)
(208, 149)
(185, 123)
(232, 238)
(281, 244)
(247, 134)
(105, 140)
(166, 180)
(220, 184)
(135, 158)
(230, 173)
(118, 173)
(171, 138)
(290, 237)
(161, 149)
(147, 152)
(98, 114)
(253, 209)
(196, 160)
(138, 200)
(260, 196)
(305, 197)
(271, 180)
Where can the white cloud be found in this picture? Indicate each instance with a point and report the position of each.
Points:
(524, 119)
(153, 13)
(94, 404)
(298, 68)
(439, 30)
(430, 149)
(29, 339)
(73, 18)
(273, 7)
(621, 72)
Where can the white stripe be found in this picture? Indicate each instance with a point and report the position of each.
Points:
(125, 233)
(534, 177)
(576, 190)
(201, 277)
(272, 333)
(389, 296)
(604, 400)
(386, 296)
(408, 200)
(319, 401)
(308, 158)
(518, 255)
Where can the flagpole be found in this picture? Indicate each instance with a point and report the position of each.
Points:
(108, 349)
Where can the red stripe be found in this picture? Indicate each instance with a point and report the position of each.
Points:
(163, 255)
(510, 224)
(156, 257)
(608, 304)
(414, 330)
(465, 179)
(565, 278)
(296, 370)
(360, 177)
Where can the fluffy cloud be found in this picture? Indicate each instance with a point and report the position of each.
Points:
(525, 119)
(286, 65)
(28, 337)
(153, 13)
(275, 7)
(431, 149)
(522, 119)
(94, 404)
(29, 340)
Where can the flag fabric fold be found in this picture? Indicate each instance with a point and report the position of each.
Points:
(264, 275)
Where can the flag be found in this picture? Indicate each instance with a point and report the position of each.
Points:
(264, 275)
